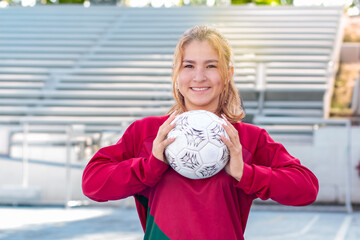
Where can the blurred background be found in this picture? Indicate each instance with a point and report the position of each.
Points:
(74, 74)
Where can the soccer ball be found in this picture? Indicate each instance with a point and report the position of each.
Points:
(198, 151)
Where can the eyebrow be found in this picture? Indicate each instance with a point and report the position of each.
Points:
(207, 61)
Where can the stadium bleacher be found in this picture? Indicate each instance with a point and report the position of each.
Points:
(73, 75)
(106, 66)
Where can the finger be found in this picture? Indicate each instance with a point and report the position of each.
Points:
(169, 124)
(233, 134)
(168, 141)
(171, 118)
(228, 124)
(165, 128)
(227, 142)
(231, 130)
(162, 145)
(225, 119)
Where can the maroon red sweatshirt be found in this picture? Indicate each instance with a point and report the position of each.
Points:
(171, 206)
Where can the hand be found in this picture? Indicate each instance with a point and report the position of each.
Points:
(235, 166)
(160, 142)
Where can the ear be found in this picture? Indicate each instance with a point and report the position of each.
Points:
(177, 83)
(231, 72)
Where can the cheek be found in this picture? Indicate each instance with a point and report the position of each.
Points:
(183, 79)
(217, 81)
(220, 87)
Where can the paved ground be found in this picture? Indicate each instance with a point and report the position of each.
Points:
(39, 223)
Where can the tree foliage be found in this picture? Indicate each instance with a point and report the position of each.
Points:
(262, 2)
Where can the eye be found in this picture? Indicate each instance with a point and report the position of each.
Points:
(211, 66)
(188, 66)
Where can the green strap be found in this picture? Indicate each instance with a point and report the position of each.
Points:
(153, 232)
(143, 200)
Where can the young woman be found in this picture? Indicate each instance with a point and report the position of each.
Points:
(171, 206)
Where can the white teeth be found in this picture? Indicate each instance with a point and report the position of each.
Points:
(199, 89)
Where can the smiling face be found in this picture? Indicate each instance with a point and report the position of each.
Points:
(199, 78)
(202, 74)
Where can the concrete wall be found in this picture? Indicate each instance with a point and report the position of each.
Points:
(325, 155)
(50, 179)
(4, 136)
(350, 52)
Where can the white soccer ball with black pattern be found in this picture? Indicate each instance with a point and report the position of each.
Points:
(198, 151)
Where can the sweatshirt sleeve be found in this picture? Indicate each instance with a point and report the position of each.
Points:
(275, 174)
(115, 172)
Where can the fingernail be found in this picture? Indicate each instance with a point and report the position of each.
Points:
(225, 122)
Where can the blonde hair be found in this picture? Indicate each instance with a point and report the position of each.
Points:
(230, 102)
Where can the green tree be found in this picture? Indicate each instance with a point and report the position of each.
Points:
(262, 2)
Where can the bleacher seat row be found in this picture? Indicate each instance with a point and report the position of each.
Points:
(101, 66)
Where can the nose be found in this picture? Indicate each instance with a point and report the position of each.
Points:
(200, 74)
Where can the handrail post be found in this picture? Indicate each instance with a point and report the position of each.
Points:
(68, 167)
(25, 156)
(348, 168)
(260, 85)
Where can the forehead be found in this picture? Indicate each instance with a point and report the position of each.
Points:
(197, 48)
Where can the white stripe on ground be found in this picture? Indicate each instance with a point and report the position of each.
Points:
(341, 234)
(295, 234)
